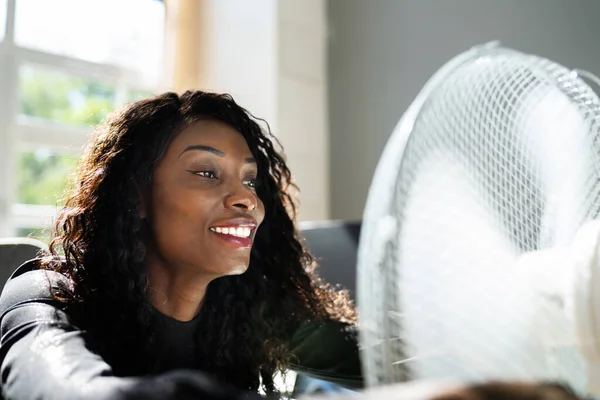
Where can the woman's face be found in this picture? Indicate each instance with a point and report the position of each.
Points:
(202, 208)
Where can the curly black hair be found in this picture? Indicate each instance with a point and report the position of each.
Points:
(98, 245)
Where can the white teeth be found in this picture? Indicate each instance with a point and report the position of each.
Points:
(242, 232)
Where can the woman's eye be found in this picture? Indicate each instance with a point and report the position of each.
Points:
(251, 182)
(205, 174)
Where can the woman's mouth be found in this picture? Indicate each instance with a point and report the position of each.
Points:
(235, 233)
(241, 232)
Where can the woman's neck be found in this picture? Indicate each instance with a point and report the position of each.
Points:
(178, 296)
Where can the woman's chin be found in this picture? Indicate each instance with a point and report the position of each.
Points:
(237, 269)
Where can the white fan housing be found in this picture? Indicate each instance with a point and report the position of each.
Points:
(478, 252)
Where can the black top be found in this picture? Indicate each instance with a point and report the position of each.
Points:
(178, 336)
(43, 354)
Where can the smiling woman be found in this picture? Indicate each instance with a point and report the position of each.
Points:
(175, 258)
(203, 211)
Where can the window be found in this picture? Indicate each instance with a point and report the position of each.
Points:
(64, 65)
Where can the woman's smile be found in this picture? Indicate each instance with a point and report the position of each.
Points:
(237, 232)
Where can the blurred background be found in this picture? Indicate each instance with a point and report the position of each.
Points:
(331, 77)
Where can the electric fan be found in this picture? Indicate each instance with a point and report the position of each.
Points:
(478, 252)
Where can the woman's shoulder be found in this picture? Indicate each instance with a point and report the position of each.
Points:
(29, 284)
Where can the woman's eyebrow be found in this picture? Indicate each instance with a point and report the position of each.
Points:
(203, 148)
(210, 149)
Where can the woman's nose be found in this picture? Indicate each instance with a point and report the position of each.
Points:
(242, 199)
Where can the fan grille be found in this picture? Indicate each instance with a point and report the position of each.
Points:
(502, 159)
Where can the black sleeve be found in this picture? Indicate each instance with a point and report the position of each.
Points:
(43, 356)
(328, 351)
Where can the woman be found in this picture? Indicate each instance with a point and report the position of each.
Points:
(174, 265)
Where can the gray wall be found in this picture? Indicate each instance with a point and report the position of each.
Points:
(382, 52)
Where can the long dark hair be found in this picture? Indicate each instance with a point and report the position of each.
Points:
(98, 244)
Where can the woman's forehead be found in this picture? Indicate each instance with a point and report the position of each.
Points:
(213, 133)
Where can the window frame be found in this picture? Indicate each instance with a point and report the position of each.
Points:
(17, 132)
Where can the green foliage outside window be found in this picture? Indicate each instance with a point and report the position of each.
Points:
(53, 97)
